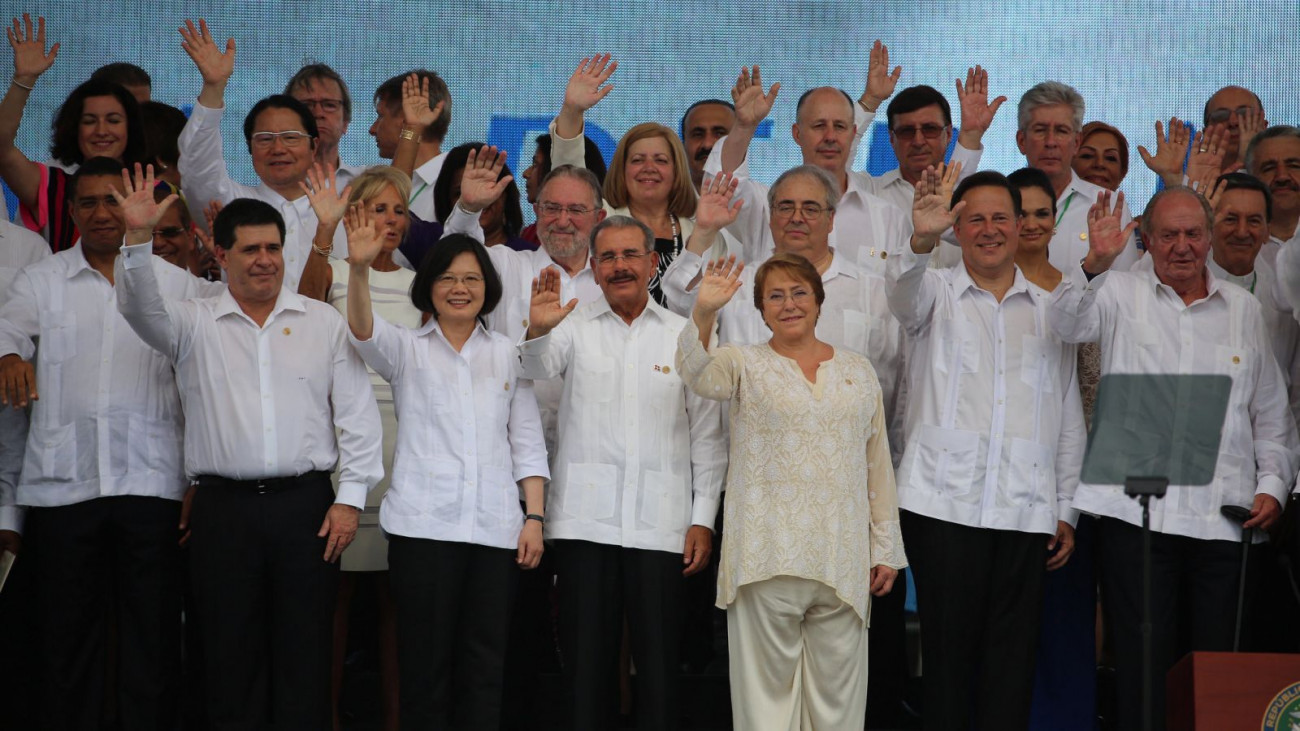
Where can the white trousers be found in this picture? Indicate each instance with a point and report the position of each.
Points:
(798, 658)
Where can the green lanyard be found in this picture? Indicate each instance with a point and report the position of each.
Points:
(416, 194)
(1068, 201)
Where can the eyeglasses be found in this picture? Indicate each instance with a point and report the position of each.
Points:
(171, 232)
(810, 211)
(631, 257)
(928, 131)
(551, 210)
(472, 281)
(1222, 115)
(89, 204)
(777, 299)
(328, 105)
(290, 138)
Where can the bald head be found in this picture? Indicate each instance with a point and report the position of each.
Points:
(824, 129)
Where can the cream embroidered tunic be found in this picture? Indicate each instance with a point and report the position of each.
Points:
(810, 488)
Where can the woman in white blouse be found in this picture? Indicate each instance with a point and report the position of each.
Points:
(468, 432)
(811, 509)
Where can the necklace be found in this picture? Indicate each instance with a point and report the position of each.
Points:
(677, 238)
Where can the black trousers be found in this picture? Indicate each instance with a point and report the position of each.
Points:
(453, 603)
(887, 657)
(112, 556)
(979, 592)
(1193, 596)
(265, 598)
(597, 585)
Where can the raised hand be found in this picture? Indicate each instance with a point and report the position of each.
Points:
(1251, 124)
(365, 239)
(1207, 152)
(1170, 152)
(479, 184)
(139, 210)
(880, 81)
(30, 57)
(1210, 187)
(976, 111)
(587, 85)
(718, 284)
(214, 65)
(1106, 238)
(752, 105)
(545, 310)
(416, 112)
(323, 193)
(715, 211)
(931, 215)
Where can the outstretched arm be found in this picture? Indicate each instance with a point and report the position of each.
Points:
(586, 87)
(977, 112)
(417, 116)
(752, 107)
(30, 61)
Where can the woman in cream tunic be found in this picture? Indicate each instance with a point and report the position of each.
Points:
(811, 509)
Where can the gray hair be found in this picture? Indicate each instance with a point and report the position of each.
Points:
(1047, 94)
(577, 173)
(1147, 214)
(832, 188)
(1277, 130)
(621, 222)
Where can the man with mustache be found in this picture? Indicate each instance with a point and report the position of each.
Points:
(636, 477)
(1273, 156)
(1177, 317)
(704, 123)
(1050, 117)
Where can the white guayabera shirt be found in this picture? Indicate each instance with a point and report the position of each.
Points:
(641, 458)
(994, 425)
(1143, 326)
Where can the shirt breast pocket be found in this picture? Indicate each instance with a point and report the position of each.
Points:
(594, 378)
(1040, 363)
(944, 460)
(1137, 342)
(957, 347)
(58, 336)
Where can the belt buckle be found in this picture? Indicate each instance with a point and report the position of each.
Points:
(262, 487)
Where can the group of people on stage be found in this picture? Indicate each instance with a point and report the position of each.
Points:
(382, 368)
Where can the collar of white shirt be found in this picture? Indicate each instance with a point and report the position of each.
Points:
(226, 305)
(601, 307)
(432, 327)
(1089, 191)
(840, 265)
(961, 281)
(429, 171)
(1212, 282)
(77, 262)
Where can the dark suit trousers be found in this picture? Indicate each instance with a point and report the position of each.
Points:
(265, 596)
(109, 557)
(598, 584)
(979, 592)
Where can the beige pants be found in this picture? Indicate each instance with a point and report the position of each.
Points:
(798, 658)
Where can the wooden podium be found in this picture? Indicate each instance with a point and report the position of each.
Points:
(1226, 691)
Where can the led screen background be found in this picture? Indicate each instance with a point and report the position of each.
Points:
(506, 62)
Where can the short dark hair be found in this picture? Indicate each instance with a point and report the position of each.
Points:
(1034, 178)
(681, 126)
(95, 167)
(1243, 181)
(592, 157)
(321, 72)
(622, 222)
(121, 72)
(917, 97)
(804, 97)
(986, 179)
(243, 212)
(442, 201)
(64, 145)
(280, 101)
(390, 93)
(438, 261)
(163, 124)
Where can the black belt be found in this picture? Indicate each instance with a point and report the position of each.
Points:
(264, 485)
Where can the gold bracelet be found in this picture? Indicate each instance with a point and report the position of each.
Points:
(409, 134)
